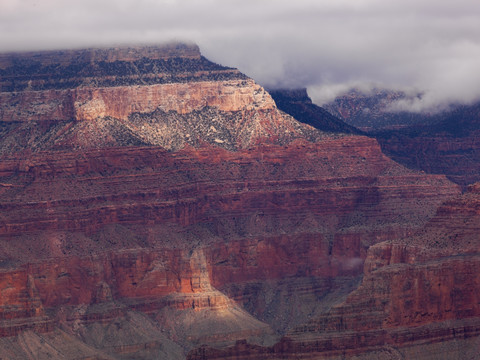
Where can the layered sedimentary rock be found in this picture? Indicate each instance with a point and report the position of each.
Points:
(419, 298)
(153, 202)
(199, 220)
(94, 98)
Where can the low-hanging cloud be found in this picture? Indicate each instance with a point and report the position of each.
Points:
(422, 46)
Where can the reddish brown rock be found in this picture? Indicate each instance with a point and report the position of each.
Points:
(417, 293)
(181, 193)
(448, 146)
(439, 154)
(263, 218)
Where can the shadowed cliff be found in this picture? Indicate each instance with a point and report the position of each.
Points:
(297, 103)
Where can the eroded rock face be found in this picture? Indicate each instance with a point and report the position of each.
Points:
(160, 232)
(153, 202)
(89, 103)
(421, 292)
(377, 109)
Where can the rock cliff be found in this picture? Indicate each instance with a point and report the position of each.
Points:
(418, 299)
(174, 206)
(439, 143)
(152, 96)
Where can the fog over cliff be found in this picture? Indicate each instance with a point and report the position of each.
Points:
(423, 46)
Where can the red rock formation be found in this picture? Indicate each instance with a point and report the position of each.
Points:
(455, 156)
(417, 293)
(447, 146)
(123, 245)
(279, 218)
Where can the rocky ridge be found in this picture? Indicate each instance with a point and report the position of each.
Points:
(183, 101)
(438, 143)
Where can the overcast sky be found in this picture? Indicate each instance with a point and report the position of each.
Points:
(432, 46)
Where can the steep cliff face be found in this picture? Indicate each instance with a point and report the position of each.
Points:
(418, 299)
(438, 143)
(152, 202)
(158, 233)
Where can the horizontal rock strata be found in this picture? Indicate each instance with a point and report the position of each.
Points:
(153, 202)
(253, 216)
(418, 293)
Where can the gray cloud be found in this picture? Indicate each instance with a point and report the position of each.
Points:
(328, 46)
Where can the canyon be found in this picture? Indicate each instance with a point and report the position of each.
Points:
(157, 205)
(448, 146)
(437, 142)
(414, 292)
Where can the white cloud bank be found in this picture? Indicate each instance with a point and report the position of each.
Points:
(326, 45)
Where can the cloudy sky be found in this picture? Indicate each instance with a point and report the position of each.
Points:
(429, 46)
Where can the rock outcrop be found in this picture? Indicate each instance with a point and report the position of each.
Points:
(174, 206)
(155, 232)
(152, 96)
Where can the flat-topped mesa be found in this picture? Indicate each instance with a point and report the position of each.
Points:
(81, 84)
(124, 66)
(169, 96)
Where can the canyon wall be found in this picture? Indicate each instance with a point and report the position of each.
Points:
(159, 233)
(154, 203)
(443, 142)
(448, 147)
(418, 299)
(298, 104)
(377, 109)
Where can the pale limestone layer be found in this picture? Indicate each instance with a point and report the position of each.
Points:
(120, 102)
